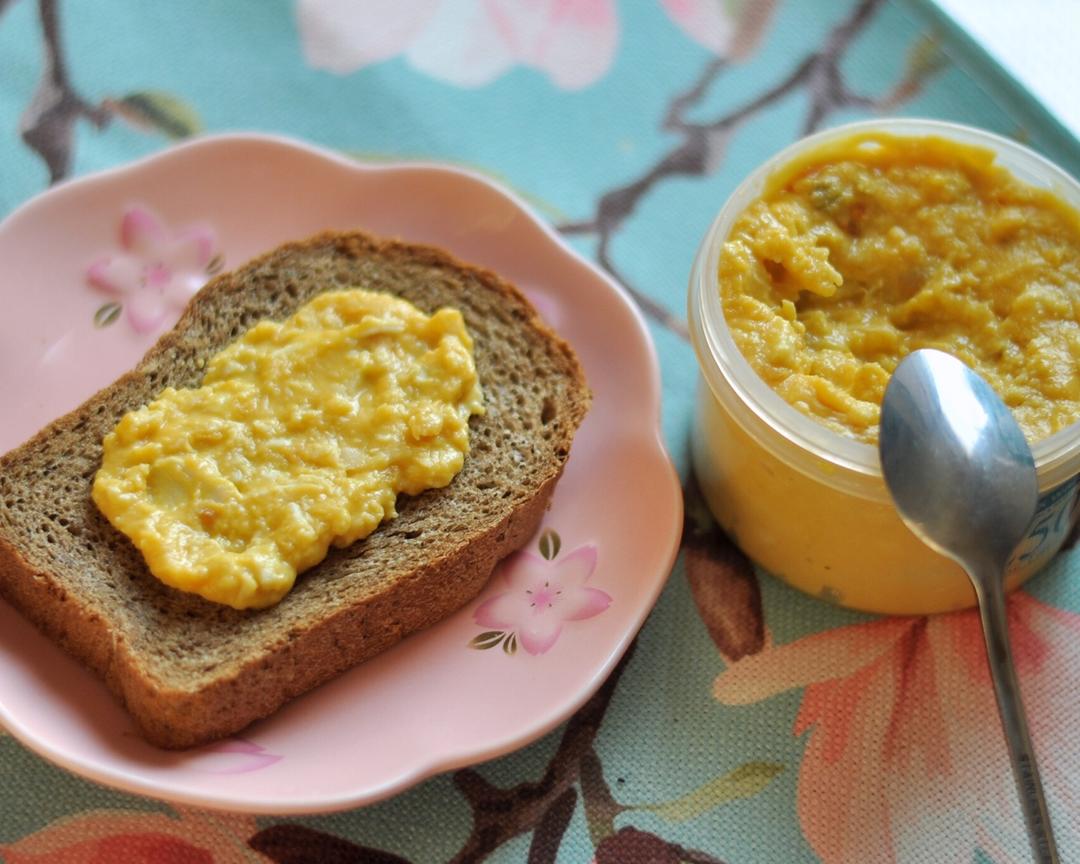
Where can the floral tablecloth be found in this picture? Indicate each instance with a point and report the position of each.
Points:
(748, 723)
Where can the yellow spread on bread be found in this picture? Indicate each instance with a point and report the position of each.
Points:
(301, 437)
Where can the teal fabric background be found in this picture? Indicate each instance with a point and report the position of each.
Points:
(240, 66)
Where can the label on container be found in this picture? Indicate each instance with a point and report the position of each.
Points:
(1050, 526)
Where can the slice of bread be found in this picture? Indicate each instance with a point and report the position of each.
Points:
(189, 670)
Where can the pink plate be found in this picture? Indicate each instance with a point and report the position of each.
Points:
(94, 270)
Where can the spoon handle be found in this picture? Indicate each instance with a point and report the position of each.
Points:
(992, 609)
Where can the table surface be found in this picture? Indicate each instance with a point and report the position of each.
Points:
(749, 723)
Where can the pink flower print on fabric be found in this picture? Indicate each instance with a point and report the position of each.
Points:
(542, 595)
(185, 834)
(905, 759)
(468, 43)
(156, 271)
(728, 28)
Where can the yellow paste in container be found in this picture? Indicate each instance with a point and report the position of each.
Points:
(873, 246)
(859, 249)
(301, 437)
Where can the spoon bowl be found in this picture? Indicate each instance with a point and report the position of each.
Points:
(955, 461)
(963, 480)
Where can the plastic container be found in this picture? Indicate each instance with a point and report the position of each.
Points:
(810, 505)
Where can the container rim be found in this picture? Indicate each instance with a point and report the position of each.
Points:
(847, 462)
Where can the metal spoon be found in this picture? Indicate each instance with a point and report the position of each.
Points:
(963, 479)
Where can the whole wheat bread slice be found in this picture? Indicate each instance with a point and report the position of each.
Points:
(190, 670)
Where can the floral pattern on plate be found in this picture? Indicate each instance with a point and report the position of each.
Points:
(543, 593)
(156, 271)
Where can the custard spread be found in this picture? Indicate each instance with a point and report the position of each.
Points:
(301, 437)
(873, 246)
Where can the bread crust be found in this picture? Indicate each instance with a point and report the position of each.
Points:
(78, 590)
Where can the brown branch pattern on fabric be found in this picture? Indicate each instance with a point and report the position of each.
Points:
(48, 123)
(548, 835)
(290, 843)
(703, 145)
(546, 806)
(500, 815)
(722, 581)
(601, 808)
(631, 845)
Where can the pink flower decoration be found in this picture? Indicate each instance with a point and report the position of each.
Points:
(468, 43)
(158, 271)
(543, 595)
(231, 756)
(905, 759)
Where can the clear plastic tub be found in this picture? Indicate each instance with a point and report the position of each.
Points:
(810, 505)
